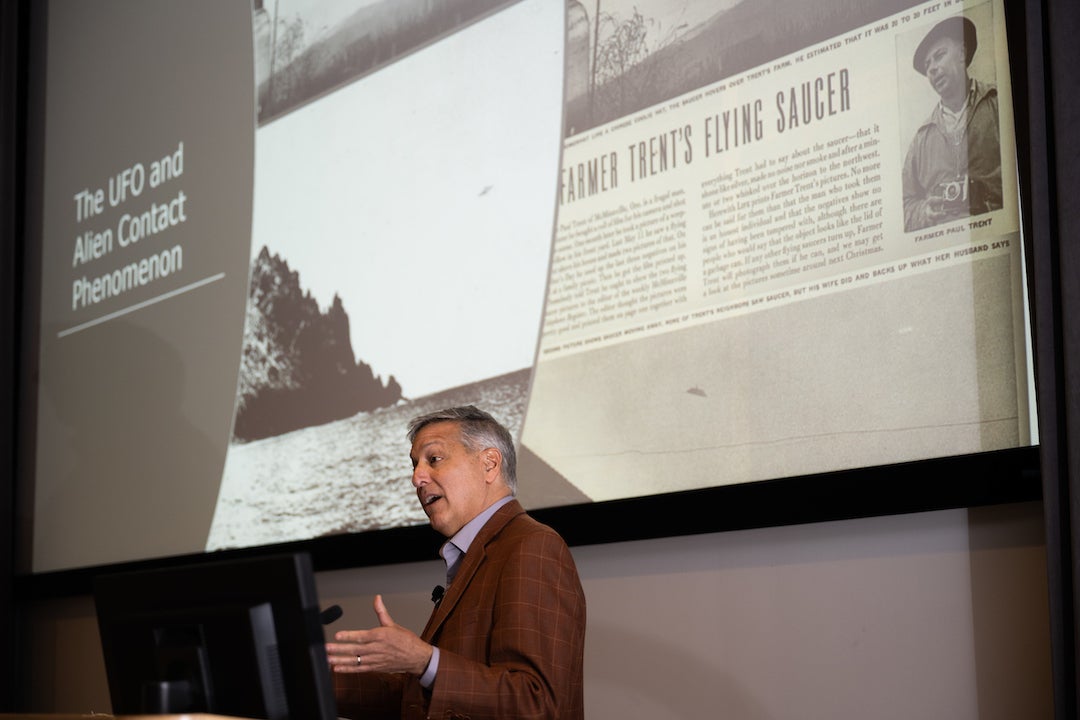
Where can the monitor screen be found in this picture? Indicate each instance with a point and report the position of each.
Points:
(240, 637)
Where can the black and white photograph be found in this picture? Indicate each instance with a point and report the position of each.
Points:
(307, 48)
(751, 233)
(952, 167)
(624, 56)
(401, 233)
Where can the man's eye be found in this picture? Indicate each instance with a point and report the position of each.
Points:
(434, 459)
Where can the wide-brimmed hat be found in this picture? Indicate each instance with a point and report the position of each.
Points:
(958, 27)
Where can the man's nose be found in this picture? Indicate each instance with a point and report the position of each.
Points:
(420, 477)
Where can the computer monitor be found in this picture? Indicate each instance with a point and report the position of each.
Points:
(239, 637)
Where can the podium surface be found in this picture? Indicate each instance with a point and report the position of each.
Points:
(107, 716)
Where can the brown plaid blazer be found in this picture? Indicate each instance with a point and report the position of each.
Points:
(510, 632)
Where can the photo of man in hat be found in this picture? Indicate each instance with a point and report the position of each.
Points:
(953, 166)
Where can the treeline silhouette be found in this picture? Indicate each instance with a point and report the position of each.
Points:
(298, 367)
(744, 36)
(369, 39)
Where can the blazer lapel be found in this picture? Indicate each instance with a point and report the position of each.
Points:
(473, 559)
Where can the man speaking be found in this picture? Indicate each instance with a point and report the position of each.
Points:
(507, 638)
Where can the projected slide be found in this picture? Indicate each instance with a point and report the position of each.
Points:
(672, 244)
(738, 291)
(146, 224)
(402, 231)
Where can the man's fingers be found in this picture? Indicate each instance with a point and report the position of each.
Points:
(343, 653)
(341, 657)
(382, 613)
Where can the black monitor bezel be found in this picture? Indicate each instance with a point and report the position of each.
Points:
(215, 598)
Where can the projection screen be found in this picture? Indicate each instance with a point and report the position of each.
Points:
(671, 244)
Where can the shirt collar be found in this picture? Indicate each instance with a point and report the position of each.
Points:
(463, 538)
(455, 548)
(955, 117)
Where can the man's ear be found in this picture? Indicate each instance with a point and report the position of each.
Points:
(492, 460)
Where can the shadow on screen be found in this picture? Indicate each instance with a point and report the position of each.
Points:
(236, 637)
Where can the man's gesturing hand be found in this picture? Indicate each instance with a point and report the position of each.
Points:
(386, 648)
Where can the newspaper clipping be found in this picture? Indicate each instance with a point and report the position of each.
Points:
(801, 265)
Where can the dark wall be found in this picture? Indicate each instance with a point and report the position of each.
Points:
(12, 113)
(1052, 225)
